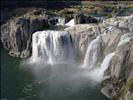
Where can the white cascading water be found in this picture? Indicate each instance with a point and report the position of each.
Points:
(94, 53)
(70, 23)
(55, 47)
(52, 47)
(106, 63)
(97, 74)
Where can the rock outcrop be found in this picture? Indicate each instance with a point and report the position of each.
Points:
(82, 35)
(118, 38)
(117, 35)
(121, 22)
(83, 19)
(116, 76)
(16, 33)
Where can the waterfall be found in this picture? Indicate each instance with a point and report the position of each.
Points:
(56, 47)
(52, 47)
(97, 74)
(106, 62)
(94, 53)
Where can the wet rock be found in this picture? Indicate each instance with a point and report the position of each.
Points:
(82, 35)
(119, 68)
(109, 91)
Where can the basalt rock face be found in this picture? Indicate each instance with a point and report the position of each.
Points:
(82, 35)
(118, 38)
(117, 35)
(16, 34)
(117, 74)
(83, 19)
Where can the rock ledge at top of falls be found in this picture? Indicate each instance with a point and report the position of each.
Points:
(122, 22)
(81, 18)
(83, 34)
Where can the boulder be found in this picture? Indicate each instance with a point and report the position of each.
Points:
(83, 19)
(109, 91)
(79, 18)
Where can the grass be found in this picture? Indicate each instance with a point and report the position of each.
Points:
(128, 86)
(107, 10)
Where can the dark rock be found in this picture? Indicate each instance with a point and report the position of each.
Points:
(5, 38)
(90, 19)
(79, 19)
(83, 19)
(16, 34)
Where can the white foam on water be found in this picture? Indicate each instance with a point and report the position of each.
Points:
(70, 23)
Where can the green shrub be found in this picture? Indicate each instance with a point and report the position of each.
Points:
(130, 85)
(109, 15)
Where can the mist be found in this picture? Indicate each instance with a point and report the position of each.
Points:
(61, 80)
(56, 71)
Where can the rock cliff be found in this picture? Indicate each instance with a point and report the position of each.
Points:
(116, 76)
(17, 32)
(117, 34)
(82, 35)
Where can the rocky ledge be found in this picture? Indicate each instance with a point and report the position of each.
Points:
(119, 72)
(117, 36)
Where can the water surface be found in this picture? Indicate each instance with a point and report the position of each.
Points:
(45, 82)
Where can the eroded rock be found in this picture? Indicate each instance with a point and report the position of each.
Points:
(16, 34)
(82, 35)
(119, 68)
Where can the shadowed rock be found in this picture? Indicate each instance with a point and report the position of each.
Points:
(16, 34)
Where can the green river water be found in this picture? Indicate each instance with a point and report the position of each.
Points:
(22, 82)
